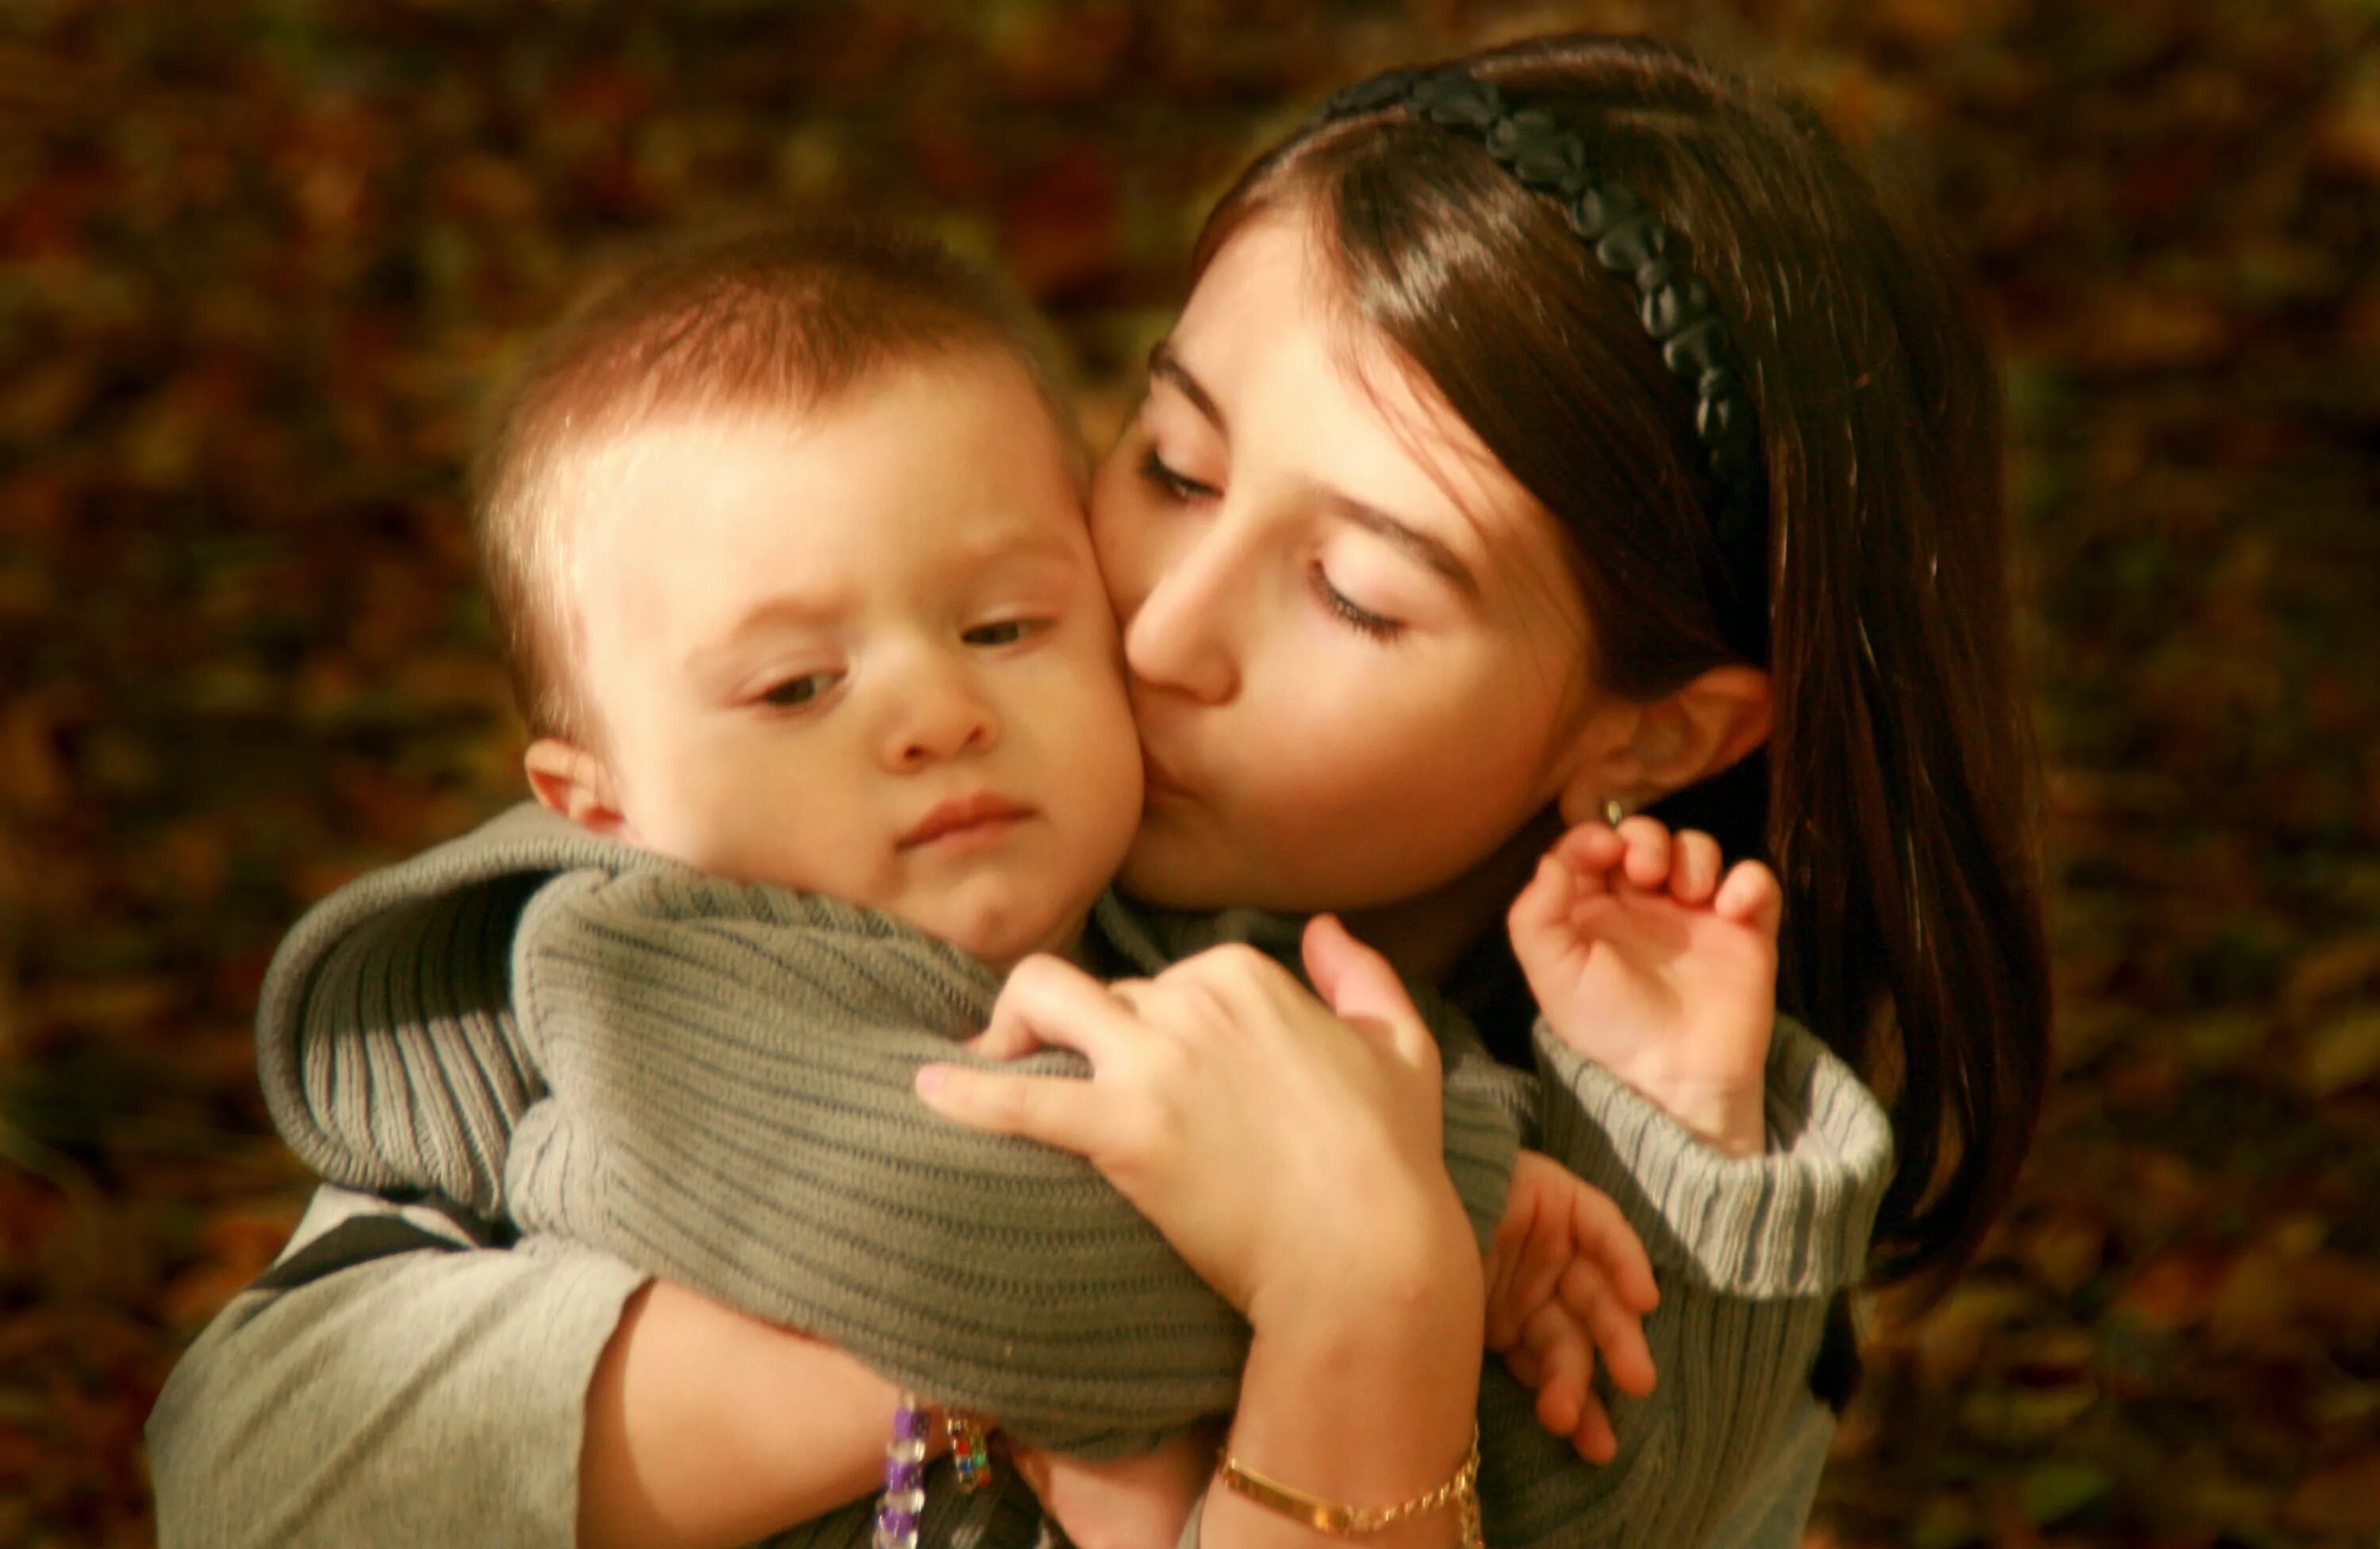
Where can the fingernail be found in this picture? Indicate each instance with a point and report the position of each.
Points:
(933, 1078)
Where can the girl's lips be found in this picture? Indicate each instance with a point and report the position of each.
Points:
(1155, 784)
(965, 822)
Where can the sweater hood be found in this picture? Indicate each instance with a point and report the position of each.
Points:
(365, 995)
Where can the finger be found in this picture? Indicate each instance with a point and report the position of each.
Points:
(1063, 1111)
(1523, 1362)
(1591, 849)
(1750, 895)
(1503, 1323)
(1049, 1000)
(1693, 867)
(1357, 983)
(1618, 1333)
(1539, 918)
(1568, 1362)
(1526, 1282)
(1132, 994)
(1592, 1437)
(1647, 862)
(1601, 1236)
(1008, 1035)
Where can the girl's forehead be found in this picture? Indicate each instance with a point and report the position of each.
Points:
(1301, 385)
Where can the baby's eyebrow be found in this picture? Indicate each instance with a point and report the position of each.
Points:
(776, 612)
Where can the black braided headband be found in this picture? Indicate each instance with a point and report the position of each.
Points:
(1548, 157)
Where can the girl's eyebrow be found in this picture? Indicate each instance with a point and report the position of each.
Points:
(1166, 367)
(1421, 545)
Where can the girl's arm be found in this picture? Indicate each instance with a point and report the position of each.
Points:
(393, 1381)
(705, 1427)
(1292, 1156)
(732, 1107)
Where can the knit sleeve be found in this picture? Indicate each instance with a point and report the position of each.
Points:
(731, 1108)
(390, 1382)
(1793, 1221)
(1747, 1252)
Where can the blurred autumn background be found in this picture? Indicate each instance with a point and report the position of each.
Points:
(259, 258)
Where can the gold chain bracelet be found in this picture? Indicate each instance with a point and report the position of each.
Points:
(1461, 1491)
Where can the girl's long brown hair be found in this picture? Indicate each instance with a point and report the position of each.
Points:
(1897, 797)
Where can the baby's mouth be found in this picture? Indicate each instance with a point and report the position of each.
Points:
(981, 815)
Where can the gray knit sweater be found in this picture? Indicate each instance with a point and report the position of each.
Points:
(575, 1037)
(715, 1082)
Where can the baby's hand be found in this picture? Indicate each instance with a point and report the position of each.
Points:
(1133, 1503)
(1567, 1276)
(1645, 960)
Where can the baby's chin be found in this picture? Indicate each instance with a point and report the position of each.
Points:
(1002, 932)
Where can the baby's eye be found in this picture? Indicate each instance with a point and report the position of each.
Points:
(793, 692)
(1007, 632)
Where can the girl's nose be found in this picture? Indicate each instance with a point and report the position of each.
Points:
(1179, 637)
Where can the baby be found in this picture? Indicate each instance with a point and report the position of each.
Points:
(786, 542)
(798, 591)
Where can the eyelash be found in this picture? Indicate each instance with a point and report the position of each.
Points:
(1167, 482)
(1026, 630)
(768, 697)
(1357, 617)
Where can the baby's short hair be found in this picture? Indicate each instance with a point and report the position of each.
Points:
(784, 317)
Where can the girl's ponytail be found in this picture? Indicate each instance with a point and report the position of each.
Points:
(1902, 796)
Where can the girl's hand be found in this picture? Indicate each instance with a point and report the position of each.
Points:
(1243, 1118)
(1567, 1276)
(1646, 960)
(1133, 1503)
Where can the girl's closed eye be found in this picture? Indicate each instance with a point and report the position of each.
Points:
(1378, 626)
(1155, 472)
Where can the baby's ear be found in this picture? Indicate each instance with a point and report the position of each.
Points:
(576, 783)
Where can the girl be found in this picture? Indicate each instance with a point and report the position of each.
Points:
(1424, 546)
(1582, 351)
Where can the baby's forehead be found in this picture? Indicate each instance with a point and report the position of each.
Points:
(971, 465)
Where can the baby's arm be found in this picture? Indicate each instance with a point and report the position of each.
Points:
(1135, 1502)
(1646, 960)
(731, 1108)
(1747, 1157)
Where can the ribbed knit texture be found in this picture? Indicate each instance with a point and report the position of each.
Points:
(714, 1082)
(733, 1107)
(1793, 1222)
(391, 1058)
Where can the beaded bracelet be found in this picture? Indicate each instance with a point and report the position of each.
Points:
(902, 1504)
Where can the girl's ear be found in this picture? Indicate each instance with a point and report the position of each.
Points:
(1649, 750)
(577, 784)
